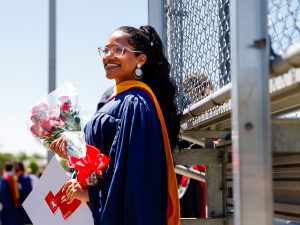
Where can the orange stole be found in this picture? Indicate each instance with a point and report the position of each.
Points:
(173, 210)
(13, 185)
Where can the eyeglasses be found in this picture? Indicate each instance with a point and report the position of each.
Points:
(116, 50)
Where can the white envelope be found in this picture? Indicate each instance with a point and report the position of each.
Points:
(52, 179)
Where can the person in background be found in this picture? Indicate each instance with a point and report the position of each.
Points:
(137, 128)
(33, 177)
(25, 187)
(9, 196)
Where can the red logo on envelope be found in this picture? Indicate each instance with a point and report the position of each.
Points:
(55, 203)
(51, 201)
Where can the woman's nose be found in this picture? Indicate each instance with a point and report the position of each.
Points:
(109, 54)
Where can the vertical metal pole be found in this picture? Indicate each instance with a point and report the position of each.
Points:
(214, 183)
(251, 159)
(52, 54)
(156, 17)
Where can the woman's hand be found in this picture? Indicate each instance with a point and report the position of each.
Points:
(73, 189)
(59, 147)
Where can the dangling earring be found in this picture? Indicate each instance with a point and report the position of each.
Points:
(138, 73)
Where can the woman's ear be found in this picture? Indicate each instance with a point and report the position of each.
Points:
(142, 58)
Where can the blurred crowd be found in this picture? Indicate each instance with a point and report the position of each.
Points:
(15, 186)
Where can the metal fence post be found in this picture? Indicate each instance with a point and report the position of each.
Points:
(251, 159)
(156, 17)
(52, 55)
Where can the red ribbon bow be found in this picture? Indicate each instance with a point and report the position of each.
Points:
(93, 161)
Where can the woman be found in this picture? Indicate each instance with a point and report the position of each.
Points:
(137, 128)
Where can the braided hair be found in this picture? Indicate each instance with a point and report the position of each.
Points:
(156, 74)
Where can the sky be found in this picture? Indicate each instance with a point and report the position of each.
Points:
(81, 26)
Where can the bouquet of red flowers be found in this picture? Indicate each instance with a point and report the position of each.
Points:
(58, 114)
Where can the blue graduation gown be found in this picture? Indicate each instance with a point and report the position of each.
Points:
(9, 212)
(25, 187)
(134, 191)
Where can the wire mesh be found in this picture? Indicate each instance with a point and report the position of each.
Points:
(198, 47)
(198, 42)
(284, 24)
(284, 32)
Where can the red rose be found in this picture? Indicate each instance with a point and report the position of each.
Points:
(34, 118)
(57, 122)
(47, 126)
(64, 99)
(37, 129)
(65, 103)
(52, 112)
(45, 133)
(42, 107)
(65, 107)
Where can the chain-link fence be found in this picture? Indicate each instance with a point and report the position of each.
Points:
(198, 47)
(284, 24)
(198, 43)
(284, 31)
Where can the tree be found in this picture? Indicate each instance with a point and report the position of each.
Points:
(22, 156)
(33, 166)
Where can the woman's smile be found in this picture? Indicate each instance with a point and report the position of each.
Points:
(109, 66)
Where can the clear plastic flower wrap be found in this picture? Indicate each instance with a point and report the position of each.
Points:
(58, 114)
